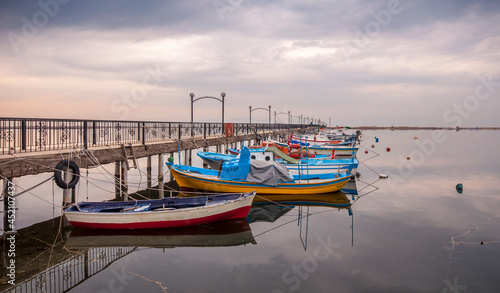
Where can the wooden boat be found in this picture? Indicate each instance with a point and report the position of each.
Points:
(310, 150)
(266, 177)
(159, 213)
(215, 160)
(318, 138)
(326, 138)
(317, 165)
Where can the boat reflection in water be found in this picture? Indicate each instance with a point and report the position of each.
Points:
(269, 208)
(224, 233)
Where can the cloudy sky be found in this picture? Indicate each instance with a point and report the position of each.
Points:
(359, 62)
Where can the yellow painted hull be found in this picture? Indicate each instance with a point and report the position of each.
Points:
(192, 181)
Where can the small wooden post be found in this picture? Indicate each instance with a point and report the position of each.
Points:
(117, 180)
(187, 157)
(124, 181)
(66, 194)
(170, 176)
(205, 163)
(148, 172)
(85, 135)
(160, 175)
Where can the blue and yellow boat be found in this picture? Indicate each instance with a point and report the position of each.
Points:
(265, 177)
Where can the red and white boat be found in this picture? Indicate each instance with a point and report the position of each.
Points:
(316, 139)
(159, 213)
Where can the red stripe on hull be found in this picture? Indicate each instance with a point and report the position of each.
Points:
(234, 214)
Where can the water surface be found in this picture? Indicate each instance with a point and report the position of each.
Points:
(412, 232)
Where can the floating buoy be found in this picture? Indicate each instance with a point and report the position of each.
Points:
(366, 152)
(388, 149)
(373, 145)
(383, 176)
(459, 187)
(415, 137)
(408, 158)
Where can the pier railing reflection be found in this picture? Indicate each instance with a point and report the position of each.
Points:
(73, 271)
(96, 250)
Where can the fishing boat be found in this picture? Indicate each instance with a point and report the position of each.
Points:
(328, 137)
(159, 213)
(310, 150)
(266, 177)
(319, 138)
(317, 165)
(215, 160)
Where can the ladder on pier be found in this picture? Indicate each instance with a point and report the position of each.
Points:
(129, 156)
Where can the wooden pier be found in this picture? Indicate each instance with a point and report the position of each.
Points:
(34, 146)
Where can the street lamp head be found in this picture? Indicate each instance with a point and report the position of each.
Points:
(223, 94)
(191, 95)
(250, 107)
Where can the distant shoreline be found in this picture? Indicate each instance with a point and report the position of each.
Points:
(422, 128)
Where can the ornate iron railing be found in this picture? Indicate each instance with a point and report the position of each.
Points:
(34, 135)
(72, 272)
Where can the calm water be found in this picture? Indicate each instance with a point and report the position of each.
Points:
(412, 232)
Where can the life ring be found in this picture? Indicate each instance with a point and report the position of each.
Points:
(61, 166)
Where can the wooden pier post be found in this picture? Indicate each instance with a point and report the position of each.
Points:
(160, 175)
(169, 175)
(66, 194)
(148, 172)
(187, 157)
(205, 165)
(117, 180)
(124, 181)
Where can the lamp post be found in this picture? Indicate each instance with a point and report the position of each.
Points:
(250, 114)
(223, 95)
(268, 109)
(269, 117)
(288, 116)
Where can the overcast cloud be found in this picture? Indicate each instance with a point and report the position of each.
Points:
(362, 62)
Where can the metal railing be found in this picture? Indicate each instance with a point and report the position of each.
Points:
(34, 135)
(72, 272)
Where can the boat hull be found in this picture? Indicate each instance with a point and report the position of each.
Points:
(162, 219)
(294, 169)
(327, 150)
(189, 181)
